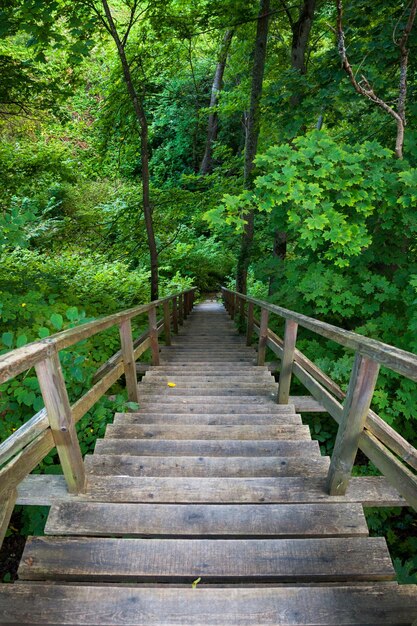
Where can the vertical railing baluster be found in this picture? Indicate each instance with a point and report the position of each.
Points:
(55, 397)
(290, 337)
(263, 336)
(153, 335)
(129, 361)
(167, 323)
(355, 410)
(181, 309)
(249, 325)
(175, 315)
(7, 502)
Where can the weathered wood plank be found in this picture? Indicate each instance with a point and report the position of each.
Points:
(263, 335)
(398, 360)
(196, 520)
(249, 324)
(7, 502)
(25, 461)
(128, 358)
(371, 491)
(208, 419)
(290, 338)
(153, 335)
(197, 431)
(83, 605)
(202, 447)
(358, 400)
(289, 560)
(58, 409)
(175, 314)
(23, 436)
(398, 475)
(209, 467)
(167, 323)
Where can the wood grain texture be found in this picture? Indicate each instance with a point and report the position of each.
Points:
(128, 358)
(196, 520)
(170, 447)
(193, 431)
(355, 409)
(290, 337)
(200, 466)
(398, 360)
(62, 425)
(284, 560)
(371, 491)
(7, 502)
(83, 605)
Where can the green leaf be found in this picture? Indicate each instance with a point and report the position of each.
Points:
(21, 341)
(43, 332)
(7, 339)
(57, 320)
(132, 405)
(72, 313)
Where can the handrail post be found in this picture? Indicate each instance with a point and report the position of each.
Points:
(7, 502)
(184, 306)
(232, 306)
(355, 410)
(290, 337)
(153, 335)
(129, 361)
(167, 323)
(263, 336)
(175, 315)
(249, 325)
(181, 309)
(241, 311)
(55, 397)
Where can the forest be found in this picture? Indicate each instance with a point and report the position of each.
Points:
(264, 145)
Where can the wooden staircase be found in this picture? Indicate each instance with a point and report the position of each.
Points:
(210, 481)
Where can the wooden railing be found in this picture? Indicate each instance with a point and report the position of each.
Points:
(359, 427)
(54, 426)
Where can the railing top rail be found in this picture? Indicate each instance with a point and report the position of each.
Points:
(20, 359)
(398, 360)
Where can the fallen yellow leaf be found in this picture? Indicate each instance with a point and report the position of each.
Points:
(172, 385)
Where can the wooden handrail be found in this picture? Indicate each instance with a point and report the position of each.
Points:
(359, 426)
(55, 426)
(21, 359)
(398, 360)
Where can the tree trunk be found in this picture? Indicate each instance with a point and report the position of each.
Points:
(251, 140)
(279, 251)
(144, 144)
(212, 127)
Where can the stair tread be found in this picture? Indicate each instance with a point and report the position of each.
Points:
(370, 491)
(193, 431)
(243, 520)
(199, 466)
(169, 447)
(110, 605)
(290, 560)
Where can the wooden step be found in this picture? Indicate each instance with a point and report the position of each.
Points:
(167, 405)
(278, 560)
(205, 400)
(156, 377)
(206, 387)
(212, 419)
(154, 393)
(202, 520)
(193, 431)
(110, 605)
(169, 447)
(200, 466)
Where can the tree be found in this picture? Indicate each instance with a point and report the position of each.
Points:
(253, 119)
(363, 86)
(207, 162)
(135, 12)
